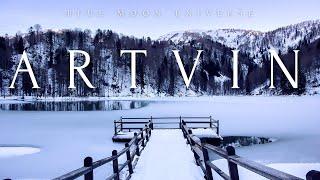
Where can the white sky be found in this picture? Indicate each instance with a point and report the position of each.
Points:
(214, 14)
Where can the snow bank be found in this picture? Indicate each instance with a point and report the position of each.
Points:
(205, 133)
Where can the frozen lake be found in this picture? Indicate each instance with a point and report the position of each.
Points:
(66, 137)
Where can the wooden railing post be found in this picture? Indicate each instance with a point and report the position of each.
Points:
(121, 124)
(87, 162)
(147, 133)
(218, 127)
(115, 127)
(151, 124)
(183, 130)
(210, 122)
(313, 175)
(129, 159)
(180, 122)
(233, 168)
(137, 144)
(150, 128)
(115, 165)
(142, 138)
(208, 174)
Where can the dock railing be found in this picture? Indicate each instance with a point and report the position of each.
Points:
(201, 154)
(132, 149)
(127, 123)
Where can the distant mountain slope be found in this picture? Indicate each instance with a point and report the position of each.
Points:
(254, 42)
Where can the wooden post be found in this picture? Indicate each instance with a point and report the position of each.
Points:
(218, 127)
(151, 125)
(208, 175)
(137, 144)
(180, 122)
(121, 125)
(142, 138)
(147, 133)
(210, 122)
(313, 175)
(87, 162)
(183, 130)
(233, 168)
(115, 165)
(115, 127)
(129, 159)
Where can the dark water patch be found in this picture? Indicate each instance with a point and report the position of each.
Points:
(239, 141)
(109, 105)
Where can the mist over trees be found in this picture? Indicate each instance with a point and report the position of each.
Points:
(157, 73)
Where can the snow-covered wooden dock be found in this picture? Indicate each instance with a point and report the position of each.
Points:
(174, 153)
(167, 156)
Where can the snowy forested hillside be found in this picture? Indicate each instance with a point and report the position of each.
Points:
(158, 73)
(254, 42)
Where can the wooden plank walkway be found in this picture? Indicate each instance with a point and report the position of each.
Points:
(168, 157)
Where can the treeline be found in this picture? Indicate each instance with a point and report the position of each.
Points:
(157, 73)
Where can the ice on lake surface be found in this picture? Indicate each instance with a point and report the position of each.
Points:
(67, 137)
(18, 150)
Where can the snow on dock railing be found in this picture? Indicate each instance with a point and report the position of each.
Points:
(127, 123)
(138, 143)
(201, 155)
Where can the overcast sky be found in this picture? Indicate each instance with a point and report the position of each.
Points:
(154, 17)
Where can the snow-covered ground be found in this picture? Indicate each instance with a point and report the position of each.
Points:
(65, 138)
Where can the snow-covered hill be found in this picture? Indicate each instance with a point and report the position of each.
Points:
(251, 41)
